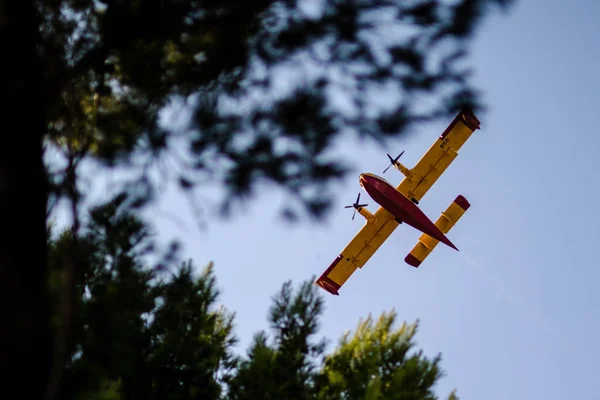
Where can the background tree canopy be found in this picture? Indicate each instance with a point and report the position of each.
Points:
(271, 85)
(139, 333)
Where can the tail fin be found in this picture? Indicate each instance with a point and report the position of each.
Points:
(445, 222)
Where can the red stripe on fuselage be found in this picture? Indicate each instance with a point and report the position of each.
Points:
(401, 207)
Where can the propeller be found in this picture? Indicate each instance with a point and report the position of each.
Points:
(356, 205)
(393, 160)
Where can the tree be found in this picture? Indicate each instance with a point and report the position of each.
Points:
(377, 362)
(113, 66)
(283, 367)
(137, 334)
(25, 338)
(317, 72)
(93, 76)
(142, 332)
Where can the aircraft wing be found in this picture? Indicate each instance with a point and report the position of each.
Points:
(445, 222)
(358, 251)
(439, 156)
(424, 174)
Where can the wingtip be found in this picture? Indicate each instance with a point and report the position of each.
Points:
(462, 202)
(328, 287)
(412, 261)
(470, 119)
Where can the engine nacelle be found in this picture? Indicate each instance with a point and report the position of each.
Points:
(405, 171)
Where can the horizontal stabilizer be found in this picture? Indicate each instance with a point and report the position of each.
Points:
(445, 222)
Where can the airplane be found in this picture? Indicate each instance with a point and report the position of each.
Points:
(400, 204)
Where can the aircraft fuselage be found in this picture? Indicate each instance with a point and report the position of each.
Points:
(400, 206)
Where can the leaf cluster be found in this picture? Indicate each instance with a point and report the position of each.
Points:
(272, 84)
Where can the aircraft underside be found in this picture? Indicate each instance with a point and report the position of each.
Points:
(401, 207)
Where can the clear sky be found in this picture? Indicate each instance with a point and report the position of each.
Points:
(514, 314)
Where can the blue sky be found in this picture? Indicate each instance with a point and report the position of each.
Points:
(514, 313)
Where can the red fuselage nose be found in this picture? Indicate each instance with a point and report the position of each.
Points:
(401, 207)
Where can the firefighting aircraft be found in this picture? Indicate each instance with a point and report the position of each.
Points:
(400, 204)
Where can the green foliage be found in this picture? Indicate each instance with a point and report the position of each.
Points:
(318, 71)
(145, 333)
(136, 334)
(107, 391)
(273, 84)
(191, 342)
(283, 367)
(375, 364)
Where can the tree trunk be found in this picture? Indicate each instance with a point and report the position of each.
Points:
(25, 335)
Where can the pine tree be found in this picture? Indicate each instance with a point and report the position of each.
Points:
(283, 365)
(377, 363)
(139, 332)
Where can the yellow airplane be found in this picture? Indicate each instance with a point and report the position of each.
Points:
(400, 204)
